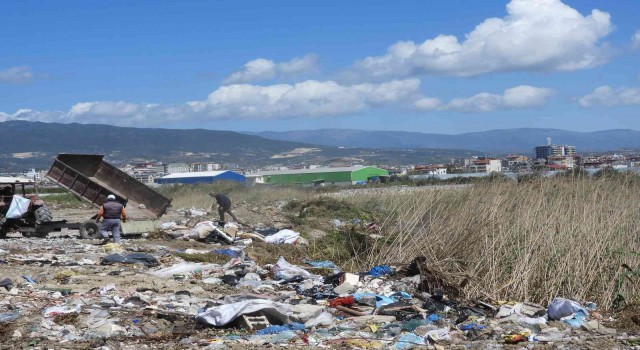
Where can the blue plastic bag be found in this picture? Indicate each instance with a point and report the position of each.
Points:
(380, 270)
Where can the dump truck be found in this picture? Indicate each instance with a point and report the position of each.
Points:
(92, 179)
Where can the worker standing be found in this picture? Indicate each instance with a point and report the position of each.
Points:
(111, 212)
(224, 205)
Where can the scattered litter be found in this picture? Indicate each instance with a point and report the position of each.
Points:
(257, 305)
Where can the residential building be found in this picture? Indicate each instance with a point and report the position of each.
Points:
(431, 169)
(482, 165)
(549, 150)
(516, 163)
(560, 162)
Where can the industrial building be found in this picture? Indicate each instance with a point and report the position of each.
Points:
(333, 176)
(201, 177)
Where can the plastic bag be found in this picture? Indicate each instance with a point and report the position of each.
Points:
(561, 307)
(19, 206)
(282, 270)
(283, 236)
(409, 341)
(9, 317)
(380, 270)
(324, 319)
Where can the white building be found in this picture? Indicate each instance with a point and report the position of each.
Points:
(205, 166)
(172, 168)
(33, 175)
(482, 165)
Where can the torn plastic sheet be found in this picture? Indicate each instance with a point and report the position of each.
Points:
(218, 316)
(282, 270)
(184, 268)
(61, 310)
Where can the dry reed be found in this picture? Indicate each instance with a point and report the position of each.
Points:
(529, 241)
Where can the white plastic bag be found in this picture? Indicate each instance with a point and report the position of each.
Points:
(282, 270)
(19, 206)
(324, 319)
(283, 236)
(184, 269)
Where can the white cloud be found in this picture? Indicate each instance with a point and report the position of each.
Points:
(306, 99)
(264, 69)
(242, 101)
(428, 104)
(608, 96)
(15, 75)
(536, 35)
(635, 40)
(522, 96)
(33, 116)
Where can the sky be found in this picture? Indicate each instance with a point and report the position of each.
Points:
(443, 66)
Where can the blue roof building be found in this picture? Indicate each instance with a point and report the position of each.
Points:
(201, 177)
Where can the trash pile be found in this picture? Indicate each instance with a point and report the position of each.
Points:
(230, 233)
(58, 291)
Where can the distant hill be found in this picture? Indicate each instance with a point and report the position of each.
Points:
(492, 141)
(34, 144)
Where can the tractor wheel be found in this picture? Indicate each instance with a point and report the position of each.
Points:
(43, 214)
(3, 232)
(89, 230)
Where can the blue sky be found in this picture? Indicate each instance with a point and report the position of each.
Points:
(432, 66)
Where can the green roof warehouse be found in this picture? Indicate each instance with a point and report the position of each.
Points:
(334, 176)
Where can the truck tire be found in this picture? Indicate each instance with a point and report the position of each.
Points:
(89, 230)
(3, 232)
(43, 214)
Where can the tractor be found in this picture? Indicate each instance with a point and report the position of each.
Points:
(23, 216)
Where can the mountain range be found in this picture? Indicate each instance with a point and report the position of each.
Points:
(497, 142)
(25, 144)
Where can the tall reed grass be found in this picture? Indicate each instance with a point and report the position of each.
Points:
(534, 240)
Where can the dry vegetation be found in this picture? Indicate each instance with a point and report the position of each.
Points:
(568, 236)
(187, 196)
